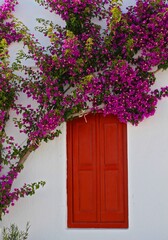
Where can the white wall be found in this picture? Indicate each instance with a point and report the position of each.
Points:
(148, 177)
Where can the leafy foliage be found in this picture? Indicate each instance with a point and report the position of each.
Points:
(13, 233)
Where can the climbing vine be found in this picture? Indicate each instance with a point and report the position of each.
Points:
(86, 68)
(11, 153)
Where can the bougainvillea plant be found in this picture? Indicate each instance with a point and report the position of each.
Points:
(88, 68)
(10, 152)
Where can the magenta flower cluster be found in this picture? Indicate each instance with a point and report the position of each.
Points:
(7, 25)
(9, 197)
(73, 8)
(2, 119)
(146, 30)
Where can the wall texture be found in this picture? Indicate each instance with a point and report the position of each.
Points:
(147, 171)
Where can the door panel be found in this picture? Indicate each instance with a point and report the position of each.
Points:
(84, 171)
(97, 172)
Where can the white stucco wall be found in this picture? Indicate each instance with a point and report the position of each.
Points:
(147, 171)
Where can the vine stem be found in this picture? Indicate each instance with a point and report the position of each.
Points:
(29, 150)
(2, 132)
(24, 157)
(156, 71)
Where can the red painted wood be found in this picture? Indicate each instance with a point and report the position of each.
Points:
(97, 173)
(111, 167)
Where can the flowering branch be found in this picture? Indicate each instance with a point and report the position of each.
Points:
(12, 156)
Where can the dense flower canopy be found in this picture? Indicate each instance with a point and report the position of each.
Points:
(76, 10)
(87, 68)
(7, 26)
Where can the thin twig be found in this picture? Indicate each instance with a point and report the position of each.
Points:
(67, 89)
(156, 71)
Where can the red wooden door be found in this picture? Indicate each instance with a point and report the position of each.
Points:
(97, 172)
